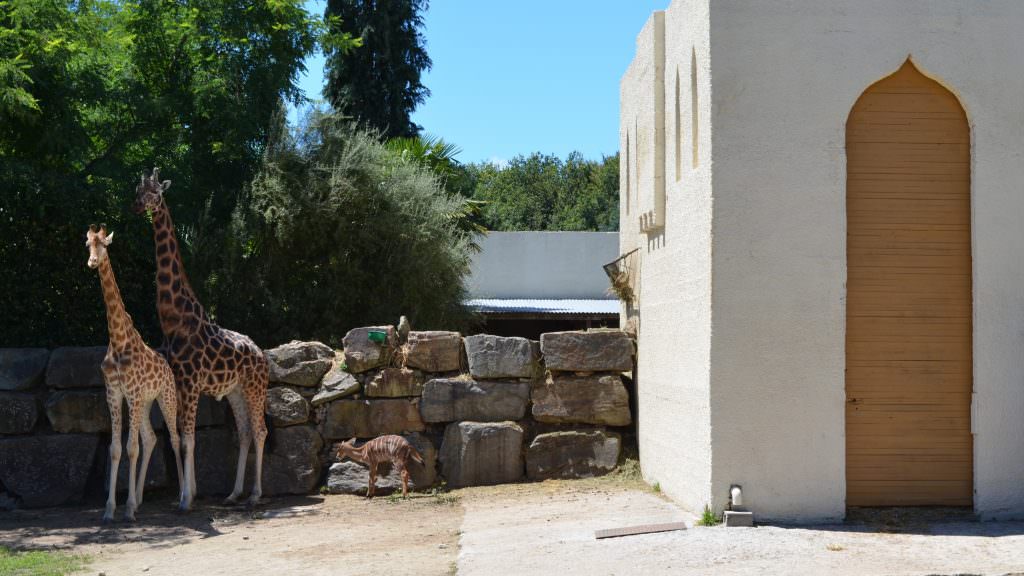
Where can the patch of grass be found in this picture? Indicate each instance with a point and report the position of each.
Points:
(39, 563)
(708, 518)
(453, 568)
(656, 487)
(834, 548)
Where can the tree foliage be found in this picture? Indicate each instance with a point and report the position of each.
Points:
(337, 231)
(543, 192)
(94, 91)
(379, 83)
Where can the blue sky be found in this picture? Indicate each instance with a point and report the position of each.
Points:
(516, 76)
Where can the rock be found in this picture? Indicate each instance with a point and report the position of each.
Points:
(350, 477)
(47, 470)
(590, 351)
(300, 363)
(475, 454)
(434, 351)
(575, 454)
(85, 411)
(336, 384)
(594, 399)
(216, 459)
(22, 368)
(76, 367)
(286, 407)
(362, 354)
(396, 383)
(346, 419)
(500, 357)
(18, 413)
(451, 399)
(211, 412)
(291, 462)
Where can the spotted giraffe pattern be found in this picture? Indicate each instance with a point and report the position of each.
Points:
(134, 372)
(205, 358)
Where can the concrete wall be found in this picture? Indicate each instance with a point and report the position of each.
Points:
(781, 78)
(674, 427)
(543, 265)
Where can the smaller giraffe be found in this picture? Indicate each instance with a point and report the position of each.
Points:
(382, 449)
(135, 372)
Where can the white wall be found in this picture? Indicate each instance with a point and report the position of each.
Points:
(543, 265)
(674, 428)
(785, 76)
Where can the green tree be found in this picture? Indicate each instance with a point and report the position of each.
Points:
(337, 231)
(380, 82)
(92, 92)
(543, 192)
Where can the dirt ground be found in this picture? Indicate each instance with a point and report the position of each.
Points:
(544, 528)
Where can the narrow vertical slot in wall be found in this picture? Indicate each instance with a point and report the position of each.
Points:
(695, 132)
(628, 175)
(679, 134)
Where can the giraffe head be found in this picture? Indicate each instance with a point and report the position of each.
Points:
(97, 241)
(149, 194)
(345, 449)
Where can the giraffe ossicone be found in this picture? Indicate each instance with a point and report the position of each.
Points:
(134, 372)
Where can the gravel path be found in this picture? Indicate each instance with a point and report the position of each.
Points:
(553, 534)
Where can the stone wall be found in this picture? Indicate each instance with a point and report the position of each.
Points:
(481, 410)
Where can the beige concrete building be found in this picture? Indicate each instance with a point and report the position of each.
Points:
(826, 201)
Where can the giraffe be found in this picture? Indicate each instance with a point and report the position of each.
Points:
(205, 358)
(135, 372)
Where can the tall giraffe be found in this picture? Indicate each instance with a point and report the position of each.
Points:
(205, 358)
(135, 372)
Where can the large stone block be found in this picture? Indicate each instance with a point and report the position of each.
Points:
(300, 363)
(501, 357)
(286, 407)
(211, 412)
(362, 354)
(291, 464)
(215, 461)
(336, 384)
(22, 368)
(594, 399)
(475, 453)
(396, 383)
(434, 351)
(76, 367)
(452, 399)
(352, 477)
(18, 413)
(344, 419)
(573, 454)
(47, 470)
(590, 351)
(71, 411)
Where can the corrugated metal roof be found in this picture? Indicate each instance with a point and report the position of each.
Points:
(513, 306)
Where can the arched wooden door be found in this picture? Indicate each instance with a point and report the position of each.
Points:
(908, 307)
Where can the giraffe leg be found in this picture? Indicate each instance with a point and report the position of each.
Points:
(114, 398)
(134, 414)
(148, 443)
(256, 400)
(188, 449)
(169, 408)
(241, 413)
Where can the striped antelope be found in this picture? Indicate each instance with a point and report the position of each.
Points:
(391, 448)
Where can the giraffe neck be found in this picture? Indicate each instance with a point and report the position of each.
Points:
(119, 323)
(179, 310)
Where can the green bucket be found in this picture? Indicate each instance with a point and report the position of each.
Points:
(378, 336)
